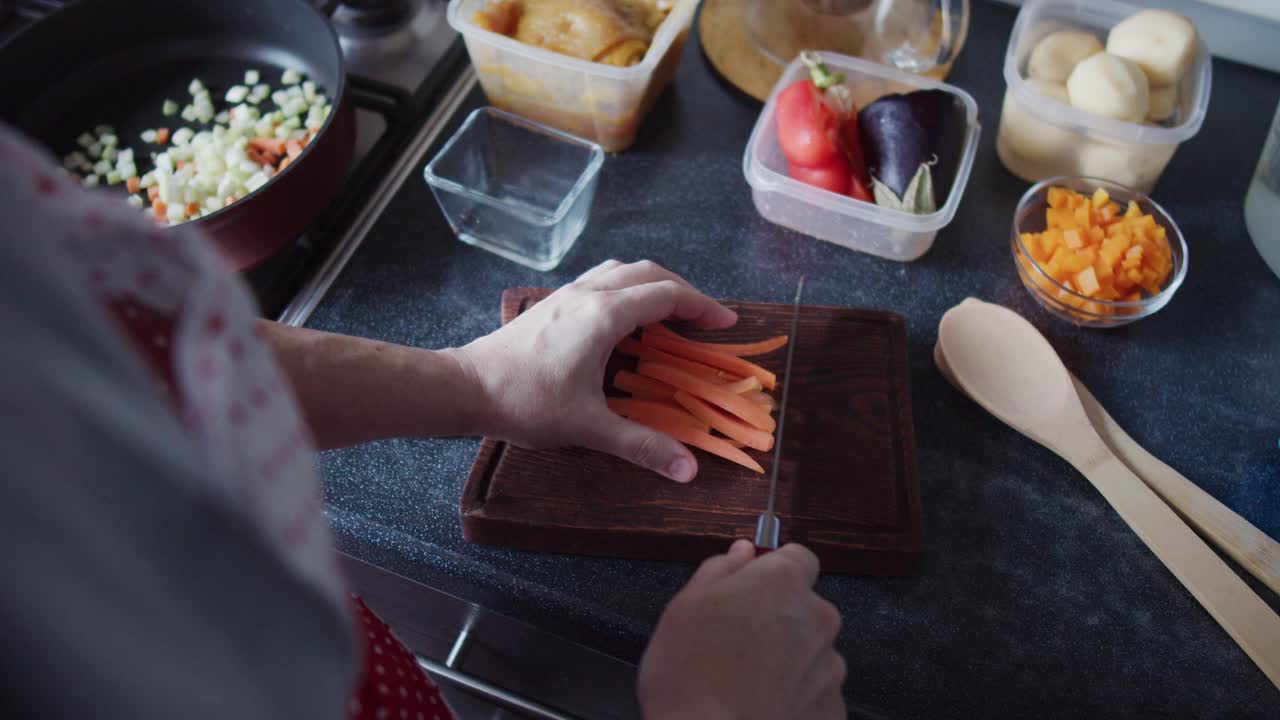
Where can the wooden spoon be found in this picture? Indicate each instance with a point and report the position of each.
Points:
(1007, 367)
(1238, 538)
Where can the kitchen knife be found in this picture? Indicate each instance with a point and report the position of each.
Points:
(767, 524)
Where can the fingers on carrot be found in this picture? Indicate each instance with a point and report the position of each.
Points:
(753, 349)
(729, 363)
(724, 423)
(714, 394)
(682, 431)
(642, 387)
(647, 412)
(634, 348)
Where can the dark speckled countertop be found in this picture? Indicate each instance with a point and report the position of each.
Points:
(1034, 599)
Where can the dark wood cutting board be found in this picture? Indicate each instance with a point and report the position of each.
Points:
(848, 488)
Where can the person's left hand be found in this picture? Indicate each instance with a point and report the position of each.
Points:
(542, 375)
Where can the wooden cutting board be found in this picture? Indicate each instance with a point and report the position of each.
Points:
(848, 488)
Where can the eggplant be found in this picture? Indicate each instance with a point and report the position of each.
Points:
(917, 137)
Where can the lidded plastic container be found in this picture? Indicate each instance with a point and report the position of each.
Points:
(1040, 137)
(842, 220)
(602, 103)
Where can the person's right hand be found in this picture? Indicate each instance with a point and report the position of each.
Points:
(746, 638)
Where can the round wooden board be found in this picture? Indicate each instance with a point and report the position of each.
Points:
(722, 28)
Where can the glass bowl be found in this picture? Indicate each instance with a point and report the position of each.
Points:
(1068, 304)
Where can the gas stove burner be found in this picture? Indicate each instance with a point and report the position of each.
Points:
(371, 18)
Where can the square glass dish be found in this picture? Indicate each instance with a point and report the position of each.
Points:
(599, 102)
(1040, 137)
(514, 187)
(842, 220)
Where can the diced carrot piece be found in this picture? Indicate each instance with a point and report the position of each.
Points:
(730, 363)
(1058, 197)
(727, 424)
(284, 163)
(133, 184)
(642, 387)
(641, 409)
(228, 200)
(162, 136)
(714, 394)
(272, 145)
(1072, 239)
(153, 192)
(180, 164)
(634, 348)
(1100, 198)
(192, 209)
(700, 440)
(160, 209)
(293, 148)
(739, 349)
(1087, 281)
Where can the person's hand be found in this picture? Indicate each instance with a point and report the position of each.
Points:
(746, 638)
(542, 375)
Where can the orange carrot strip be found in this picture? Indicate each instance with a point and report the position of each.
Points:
(275, 146)
(762, 398)
(701, 440)
(744, 386)
(731, 441)
(634, 348)
(731, 426)
(162, 136)
(714, 394)
(740, 349)
(643, 387)
(133, 184)
(731, 363)
(643, 411)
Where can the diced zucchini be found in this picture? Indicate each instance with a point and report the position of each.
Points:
(309, 91)
(176, 211)
(251, 77)
(237, 94)
(189, 113)
(102, 167)
(195, 87)
(148, 179)
(291, 77)
(148, 136)
(135, 201)
(113, 177)
(90, 181)
(109, 140)
(110, 154)
(182, 136)
(169, 108)
(281, 132)
(85, 140)
(95, 151)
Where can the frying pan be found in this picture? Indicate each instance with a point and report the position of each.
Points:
(114, 62)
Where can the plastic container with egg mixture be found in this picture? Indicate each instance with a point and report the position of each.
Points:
(1040, 137)
(602, 103)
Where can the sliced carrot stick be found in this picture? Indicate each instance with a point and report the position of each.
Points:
(701, 440)
(727, 424)
(731, 363)
(275, 146)
(764, 399)
(731, 441)
(642, 387)
(162, 136)
(761, 347)
(133, 184)
(634, 348)
(644, 411)
(744, 386)
(714, 394)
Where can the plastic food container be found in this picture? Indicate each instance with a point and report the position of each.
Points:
(1072, 306)
(1040, 137)
(855, 224)
(516, 188)
(598, 102)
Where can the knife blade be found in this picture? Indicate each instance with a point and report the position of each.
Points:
(767, 526)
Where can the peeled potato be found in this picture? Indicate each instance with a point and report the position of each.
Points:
(1055, 56)
(1026, 139)
(1162, 43)
(1164, 101)
(1111, 86)
(1055, 90)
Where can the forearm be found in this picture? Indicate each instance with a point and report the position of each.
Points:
(353, 390)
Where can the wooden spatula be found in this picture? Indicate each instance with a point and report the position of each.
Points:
(1005, 365)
